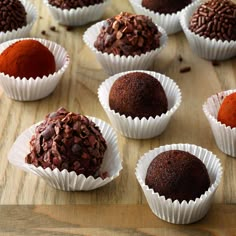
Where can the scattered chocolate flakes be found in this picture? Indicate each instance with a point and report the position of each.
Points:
(215, 63)
(185, 69)
(180, 58)
(53, 28)
(43, 32)
(69, 28)
(66, 140)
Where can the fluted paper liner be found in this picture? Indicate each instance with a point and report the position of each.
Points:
(210, 49)
(225, 136)
(23, 89)
(170, 22)
(113, 64)
(64, 180)
(180, 212)
(78, 16)
(25, 30)
(141, 128)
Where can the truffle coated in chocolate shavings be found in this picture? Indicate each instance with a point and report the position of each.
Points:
(128, 34)
(66, 140)
(73, 4)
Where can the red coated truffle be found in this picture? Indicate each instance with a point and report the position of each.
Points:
(227, 111)
(178, 175)
(66, 140)
(27, 58)
(138, 94)
(165, 6)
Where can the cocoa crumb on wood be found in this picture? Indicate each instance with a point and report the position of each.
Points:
(185, 69)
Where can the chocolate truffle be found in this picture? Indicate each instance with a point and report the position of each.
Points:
(128, 34)
(27, 58)
(66, 140)
(165, 6)
(227, 111)
(215, 20)
(138, 94)
(72, 4)
(12, 15)
(178, 175)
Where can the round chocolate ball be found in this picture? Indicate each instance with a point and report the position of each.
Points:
(227, 111)
(66, 140)
(27, 58)
(215, 20)
(138, 94)
(178, 175)
(72, 4)
(12, 15)
(165, 6)
(128, 35)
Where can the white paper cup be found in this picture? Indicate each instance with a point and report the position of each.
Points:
(25, 30)
(170, 22)
(64, 180)
(225, 136)
(207, 48)
(141, 128)
(180, 212)
(113, 64)
(78, 16)
(23, 89)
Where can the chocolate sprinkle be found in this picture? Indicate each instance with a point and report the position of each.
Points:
(12, 15)
(216, 20)
(185, 69)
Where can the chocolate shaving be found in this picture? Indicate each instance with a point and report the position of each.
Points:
(185, 69)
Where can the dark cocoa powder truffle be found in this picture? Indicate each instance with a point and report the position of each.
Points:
(215, 20)
(138, 94)
(178, 175)
(66, 140)
(128, 34)
(165, 6)
(12, 15)
(72, 4)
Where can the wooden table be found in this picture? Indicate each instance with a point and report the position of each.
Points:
(30, 206)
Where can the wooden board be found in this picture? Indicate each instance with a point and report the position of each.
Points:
(120, 204)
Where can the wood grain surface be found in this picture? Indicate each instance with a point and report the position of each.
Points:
(29, 205)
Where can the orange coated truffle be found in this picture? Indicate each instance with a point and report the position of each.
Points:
(27, 58)
(227, 111)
